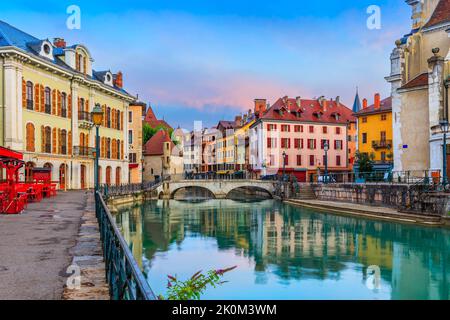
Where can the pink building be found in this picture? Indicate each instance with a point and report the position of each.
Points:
(300, 128)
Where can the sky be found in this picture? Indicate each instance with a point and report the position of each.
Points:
(209, 59)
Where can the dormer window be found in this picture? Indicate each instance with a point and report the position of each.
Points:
(46, 48)
(318, 115)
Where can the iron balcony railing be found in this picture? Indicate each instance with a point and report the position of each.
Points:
(382, 144)
(84, 116)
(125, 279)
(82, 151)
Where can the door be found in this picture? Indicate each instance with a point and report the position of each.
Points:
(62, 177)
(83, 176)
(108, 176)
(118, 173)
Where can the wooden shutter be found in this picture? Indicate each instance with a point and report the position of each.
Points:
(114, 116)
(36, 97)
(24, 93)
(121, 149)
(79, 106)
(70, 143)
(59, 142)
(86, 140)
(59, 103)
(87, 106)
(54, 142)
(104, 115)
(42, 139)
(121, 121)
(42, 96)
(113, 148)
(103, 148)
(84, 65)
(70, 106)
(54, 102)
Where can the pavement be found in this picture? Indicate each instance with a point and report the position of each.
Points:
(35, 247)
(366, 211)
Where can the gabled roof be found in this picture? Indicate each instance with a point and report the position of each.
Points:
(151, 119)
(155, 146)
(226, 124)
(308, 109)
(385, 106)
(419, 81)
(440, 15)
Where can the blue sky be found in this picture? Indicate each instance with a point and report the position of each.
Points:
(208, 59)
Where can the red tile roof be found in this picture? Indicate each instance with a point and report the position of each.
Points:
(420, 80)
(151, 119)
(385, 106)
(308, 110)
(155, 146)
(440, 15)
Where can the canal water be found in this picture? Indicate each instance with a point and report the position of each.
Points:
(285, 252)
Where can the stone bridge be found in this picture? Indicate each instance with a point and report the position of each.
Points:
(219, 188)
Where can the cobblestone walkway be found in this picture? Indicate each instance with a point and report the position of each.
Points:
(37, 246)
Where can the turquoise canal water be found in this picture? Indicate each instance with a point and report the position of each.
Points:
(286, 252)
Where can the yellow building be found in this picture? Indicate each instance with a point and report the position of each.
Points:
(242, 146)
(47, 91)
(136, 112)
(375, 132)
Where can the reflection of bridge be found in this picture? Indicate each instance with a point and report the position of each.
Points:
(220, 189)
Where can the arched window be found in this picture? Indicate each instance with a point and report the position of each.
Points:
(30, 138)
(63, 142)
(48, 100)
(48, 140)
(30, 96)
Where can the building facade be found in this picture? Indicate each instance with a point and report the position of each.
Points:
(291, 136)
(419, 87)
(136, 112)
(375, 132)
(47, 93)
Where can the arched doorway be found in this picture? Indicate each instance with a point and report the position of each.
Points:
(83, 176)
(48, 165)
(118, 173)
(63, 176)
(108, 175)
(29, 171)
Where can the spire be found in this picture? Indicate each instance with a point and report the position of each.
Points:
(357, 103)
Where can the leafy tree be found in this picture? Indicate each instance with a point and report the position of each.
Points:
(193, 288)
(365, 162)
(148, 131)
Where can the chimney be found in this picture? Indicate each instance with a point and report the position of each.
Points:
(325, 105)
(118, 80)
(59, 43)
(365, 103)
(377, 103)
(260, 106)
(298, 100)
(338, 101)
(249, 113)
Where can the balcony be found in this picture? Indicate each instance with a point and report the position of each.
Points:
(85, 120)
(85, 152)
(382, 144)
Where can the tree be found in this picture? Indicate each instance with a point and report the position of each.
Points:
(365, 162)
(148, 131)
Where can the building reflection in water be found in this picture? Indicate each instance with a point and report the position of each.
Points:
(296, 244)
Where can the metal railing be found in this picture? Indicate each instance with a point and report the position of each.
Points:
(83, 151)
(382, 177)
(382, 144)
(125, 279)
(84, 116)
(108, 191)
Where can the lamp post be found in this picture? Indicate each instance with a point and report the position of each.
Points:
(326, 147)
(444, 128)
(284, 166)
(97, 119)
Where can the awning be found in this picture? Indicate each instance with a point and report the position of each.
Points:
(133, 165)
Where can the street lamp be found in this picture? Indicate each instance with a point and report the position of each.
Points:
(326, 147)
(284, 166)
(444, 128)
(97, 119)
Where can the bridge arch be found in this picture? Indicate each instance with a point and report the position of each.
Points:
(254, 191)
(201, 192)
